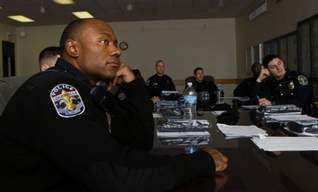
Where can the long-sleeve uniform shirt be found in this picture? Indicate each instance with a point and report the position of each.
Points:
(130, 111)
(294, 88)
(156, 84)
(245, 89)
(54, 137)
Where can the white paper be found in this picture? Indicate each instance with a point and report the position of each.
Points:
(286, 118)
(156, 115)
(287, 143)
(237, 131)
(182, 134)
(217, 113)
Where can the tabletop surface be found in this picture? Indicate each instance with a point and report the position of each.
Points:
(252, 169)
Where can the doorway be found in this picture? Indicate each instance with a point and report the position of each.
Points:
(8, 59)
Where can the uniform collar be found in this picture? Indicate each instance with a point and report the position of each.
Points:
(62, 64)
(286, 76)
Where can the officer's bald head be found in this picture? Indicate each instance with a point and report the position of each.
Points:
(70, 31)
(90, 45)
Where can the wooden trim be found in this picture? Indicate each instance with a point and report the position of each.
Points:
(227, 81)
(179, 82)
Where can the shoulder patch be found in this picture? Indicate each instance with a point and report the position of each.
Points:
(302, 79)
(67, 101)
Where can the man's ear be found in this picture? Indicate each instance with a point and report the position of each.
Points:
(71, 48)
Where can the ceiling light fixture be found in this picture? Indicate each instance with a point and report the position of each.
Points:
(64, 2)
(82, 14)
(21, 18)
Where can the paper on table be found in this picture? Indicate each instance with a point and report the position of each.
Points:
(287, 143)
(182, 134)
(237, 131)
(292, 117)
(217, 113)
(156, 115)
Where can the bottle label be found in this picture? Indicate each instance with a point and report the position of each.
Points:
(190, 99)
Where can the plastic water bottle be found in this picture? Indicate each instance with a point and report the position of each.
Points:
(219, 94)
(191, 148)
(190, 102)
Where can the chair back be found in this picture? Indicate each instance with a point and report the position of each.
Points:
(8, 86)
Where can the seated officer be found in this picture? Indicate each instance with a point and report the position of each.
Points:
(48, 57)
(245, 88)
(206, 90)
(282, 86)
(53, 136)
(159, 82)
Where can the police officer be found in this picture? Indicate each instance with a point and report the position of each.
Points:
(245, 88)
(53, 136)
(159, 82)
(48, 57)
(283, 86)
(206, 90)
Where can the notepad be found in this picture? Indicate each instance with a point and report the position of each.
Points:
(239, 131)
(287, 143)
(286, 118)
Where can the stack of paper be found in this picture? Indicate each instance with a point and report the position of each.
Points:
(239, 131)
(287, 118)
(287, 143)
(184, 132)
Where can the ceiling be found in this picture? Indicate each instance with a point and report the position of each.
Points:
(116, 10)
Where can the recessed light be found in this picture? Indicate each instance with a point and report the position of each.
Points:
(83, 14)
(21, 18)
(64, 2)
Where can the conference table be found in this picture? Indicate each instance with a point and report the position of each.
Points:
(250, 168)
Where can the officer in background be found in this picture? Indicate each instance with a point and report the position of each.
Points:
(246, 87)
(53, 136)
(282, 86)
(160, 81)
(48, 57)
(205, 88)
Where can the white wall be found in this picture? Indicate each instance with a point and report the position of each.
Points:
(30, 42)
(183, 44)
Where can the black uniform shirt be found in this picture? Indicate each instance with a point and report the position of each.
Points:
(245, 89)
(156, 84)
(53, 137)
(206, 92)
